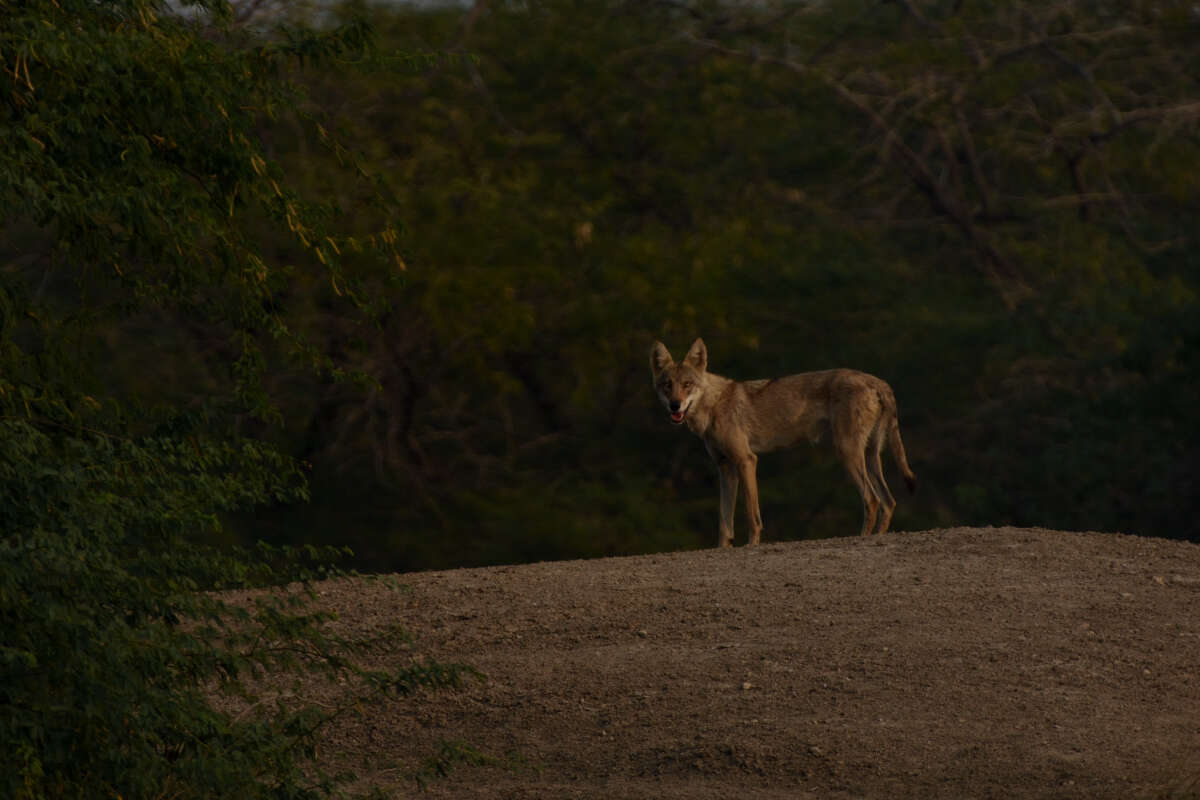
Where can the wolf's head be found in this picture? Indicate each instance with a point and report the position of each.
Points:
(678, 385)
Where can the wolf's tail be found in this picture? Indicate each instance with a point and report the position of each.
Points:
(897, 444)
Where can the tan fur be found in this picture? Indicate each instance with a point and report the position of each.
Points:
(740, 419)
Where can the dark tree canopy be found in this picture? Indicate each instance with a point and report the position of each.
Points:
(990, 205)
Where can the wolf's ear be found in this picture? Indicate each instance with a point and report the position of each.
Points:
(660, 359)
(697, 356)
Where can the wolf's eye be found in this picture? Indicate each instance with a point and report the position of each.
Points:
(688, 384)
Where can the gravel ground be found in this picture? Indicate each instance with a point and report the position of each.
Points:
(960, 663)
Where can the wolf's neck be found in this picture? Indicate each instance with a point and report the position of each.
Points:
(700, 415)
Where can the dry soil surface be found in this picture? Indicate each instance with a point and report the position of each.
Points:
(964, 663)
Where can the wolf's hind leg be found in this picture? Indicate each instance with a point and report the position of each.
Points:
(851, 427)
(887, 502)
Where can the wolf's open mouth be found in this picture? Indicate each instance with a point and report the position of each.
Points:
(677, 417)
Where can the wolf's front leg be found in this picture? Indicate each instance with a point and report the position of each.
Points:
(729, 490)
(748, 471)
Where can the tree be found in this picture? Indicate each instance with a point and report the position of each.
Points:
(134, 185)
(935, 192)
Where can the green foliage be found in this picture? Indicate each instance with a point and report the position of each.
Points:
(131, 145)
(134, 186)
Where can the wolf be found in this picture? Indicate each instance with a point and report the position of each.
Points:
(740, 419)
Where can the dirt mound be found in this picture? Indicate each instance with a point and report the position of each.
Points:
(962, 663)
